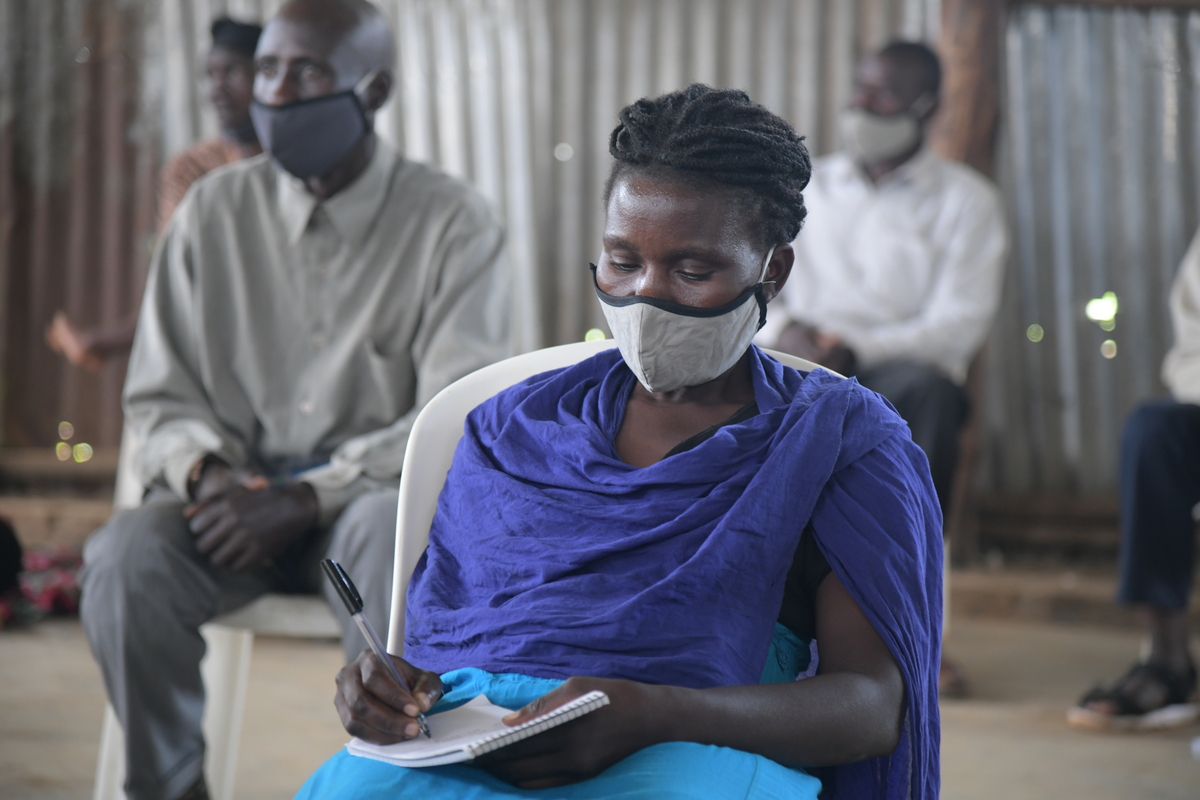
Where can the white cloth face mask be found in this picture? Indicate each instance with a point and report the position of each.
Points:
(870, 138)
(669, 346)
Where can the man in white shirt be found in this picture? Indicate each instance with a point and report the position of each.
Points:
(898, 267)
(300, 310)
(1160, 491)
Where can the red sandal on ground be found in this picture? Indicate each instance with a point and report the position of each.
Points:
(1147, 697)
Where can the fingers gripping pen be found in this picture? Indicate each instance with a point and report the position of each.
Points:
(354, 604)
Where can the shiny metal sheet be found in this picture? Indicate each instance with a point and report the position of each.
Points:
(1099, 170)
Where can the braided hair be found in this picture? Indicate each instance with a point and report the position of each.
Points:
(712, 136)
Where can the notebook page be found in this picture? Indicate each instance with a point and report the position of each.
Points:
(452, 731)
(581, 705)
(470, 730)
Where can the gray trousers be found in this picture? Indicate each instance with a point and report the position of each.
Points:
(146, 591)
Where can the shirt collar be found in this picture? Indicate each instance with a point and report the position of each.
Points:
(916, 171)
(351, 211)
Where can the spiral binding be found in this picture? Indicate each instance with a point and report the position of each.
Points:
(576, 708)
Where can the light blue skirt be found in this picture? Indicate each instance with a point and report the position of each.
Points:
(669, 770)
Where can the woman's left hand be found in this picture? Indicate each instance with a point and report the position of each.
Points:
(583, 747)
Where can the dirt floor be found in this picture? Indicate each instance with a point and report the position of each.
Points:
(1008, 741)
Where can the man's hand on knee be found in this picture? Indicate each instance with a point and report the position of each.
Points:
(825, 349)
(246, 528)
(800, 340)
(212, 477)
(835, 354)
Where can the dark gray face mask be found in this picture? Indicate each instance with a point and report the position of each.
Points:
(308, 138)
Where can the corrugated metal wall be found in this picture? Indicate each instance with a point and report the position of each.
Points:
(1101, 173)
(76, 175)
(517, 96)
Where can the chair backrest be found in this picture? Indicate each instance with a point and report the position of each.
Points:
(128, 490)
(434, 437)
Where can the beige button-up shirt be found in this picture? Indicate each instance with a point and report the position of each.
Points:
(301, 337)
(910, 268)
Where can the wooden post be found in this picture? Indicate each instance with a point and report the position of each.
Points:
(965, 130)
(969, 46)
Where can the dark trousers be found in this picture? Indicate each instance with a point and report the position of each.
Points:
(1160, 485)
(935, 409)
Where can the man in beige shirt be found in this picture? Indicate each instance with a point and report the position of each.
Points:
(300, 311)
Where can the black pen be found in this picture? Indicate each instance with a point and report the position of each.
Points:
(354, 604)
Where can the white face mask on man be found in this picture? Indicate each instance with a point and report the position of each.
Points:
(870, 138)
(669, 346)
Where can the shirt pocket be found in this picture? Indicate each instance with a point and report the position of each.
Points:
(897, 265)
(386, 386)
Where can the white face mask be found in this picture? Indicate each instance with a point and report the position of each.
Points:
(669, 346)
(871, 138)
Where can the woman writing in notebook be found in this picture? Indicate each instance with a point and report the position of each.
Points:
(673, 523)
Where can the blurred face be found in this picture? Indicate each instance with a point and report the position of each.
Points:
(299, 60)
(882, 86)
(683, 244)
(230, 87)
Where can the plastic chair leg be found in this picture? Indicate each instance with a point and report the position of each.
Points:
(226, 671)
(110, 766)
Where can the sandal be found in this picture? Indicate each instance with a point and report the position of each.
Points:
(1147, 697)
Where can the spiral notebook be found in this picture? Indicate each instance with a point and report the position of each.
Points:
(471, 730)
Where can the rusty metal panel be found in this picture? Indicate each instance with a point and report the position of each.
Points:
(8, 38)
(94, 94)
(74, 187)
(1099, 168)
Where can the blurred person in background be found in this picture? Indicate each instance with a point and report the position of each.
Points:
(229, 73)
(300, 310)
(898, 278)
(1160, 497)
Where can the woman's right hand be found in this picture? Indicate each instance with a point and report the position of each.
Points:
(374, 708)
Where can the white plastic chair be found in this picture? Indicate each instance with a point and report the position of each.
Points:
(225, 668)
(435, 435)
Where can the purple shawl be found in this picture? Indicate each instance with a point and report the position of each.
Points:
(551, 557)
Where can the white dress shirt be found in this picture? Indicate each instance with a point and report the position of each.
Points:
(300, 337)
(907, 269)
(1181, 368)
